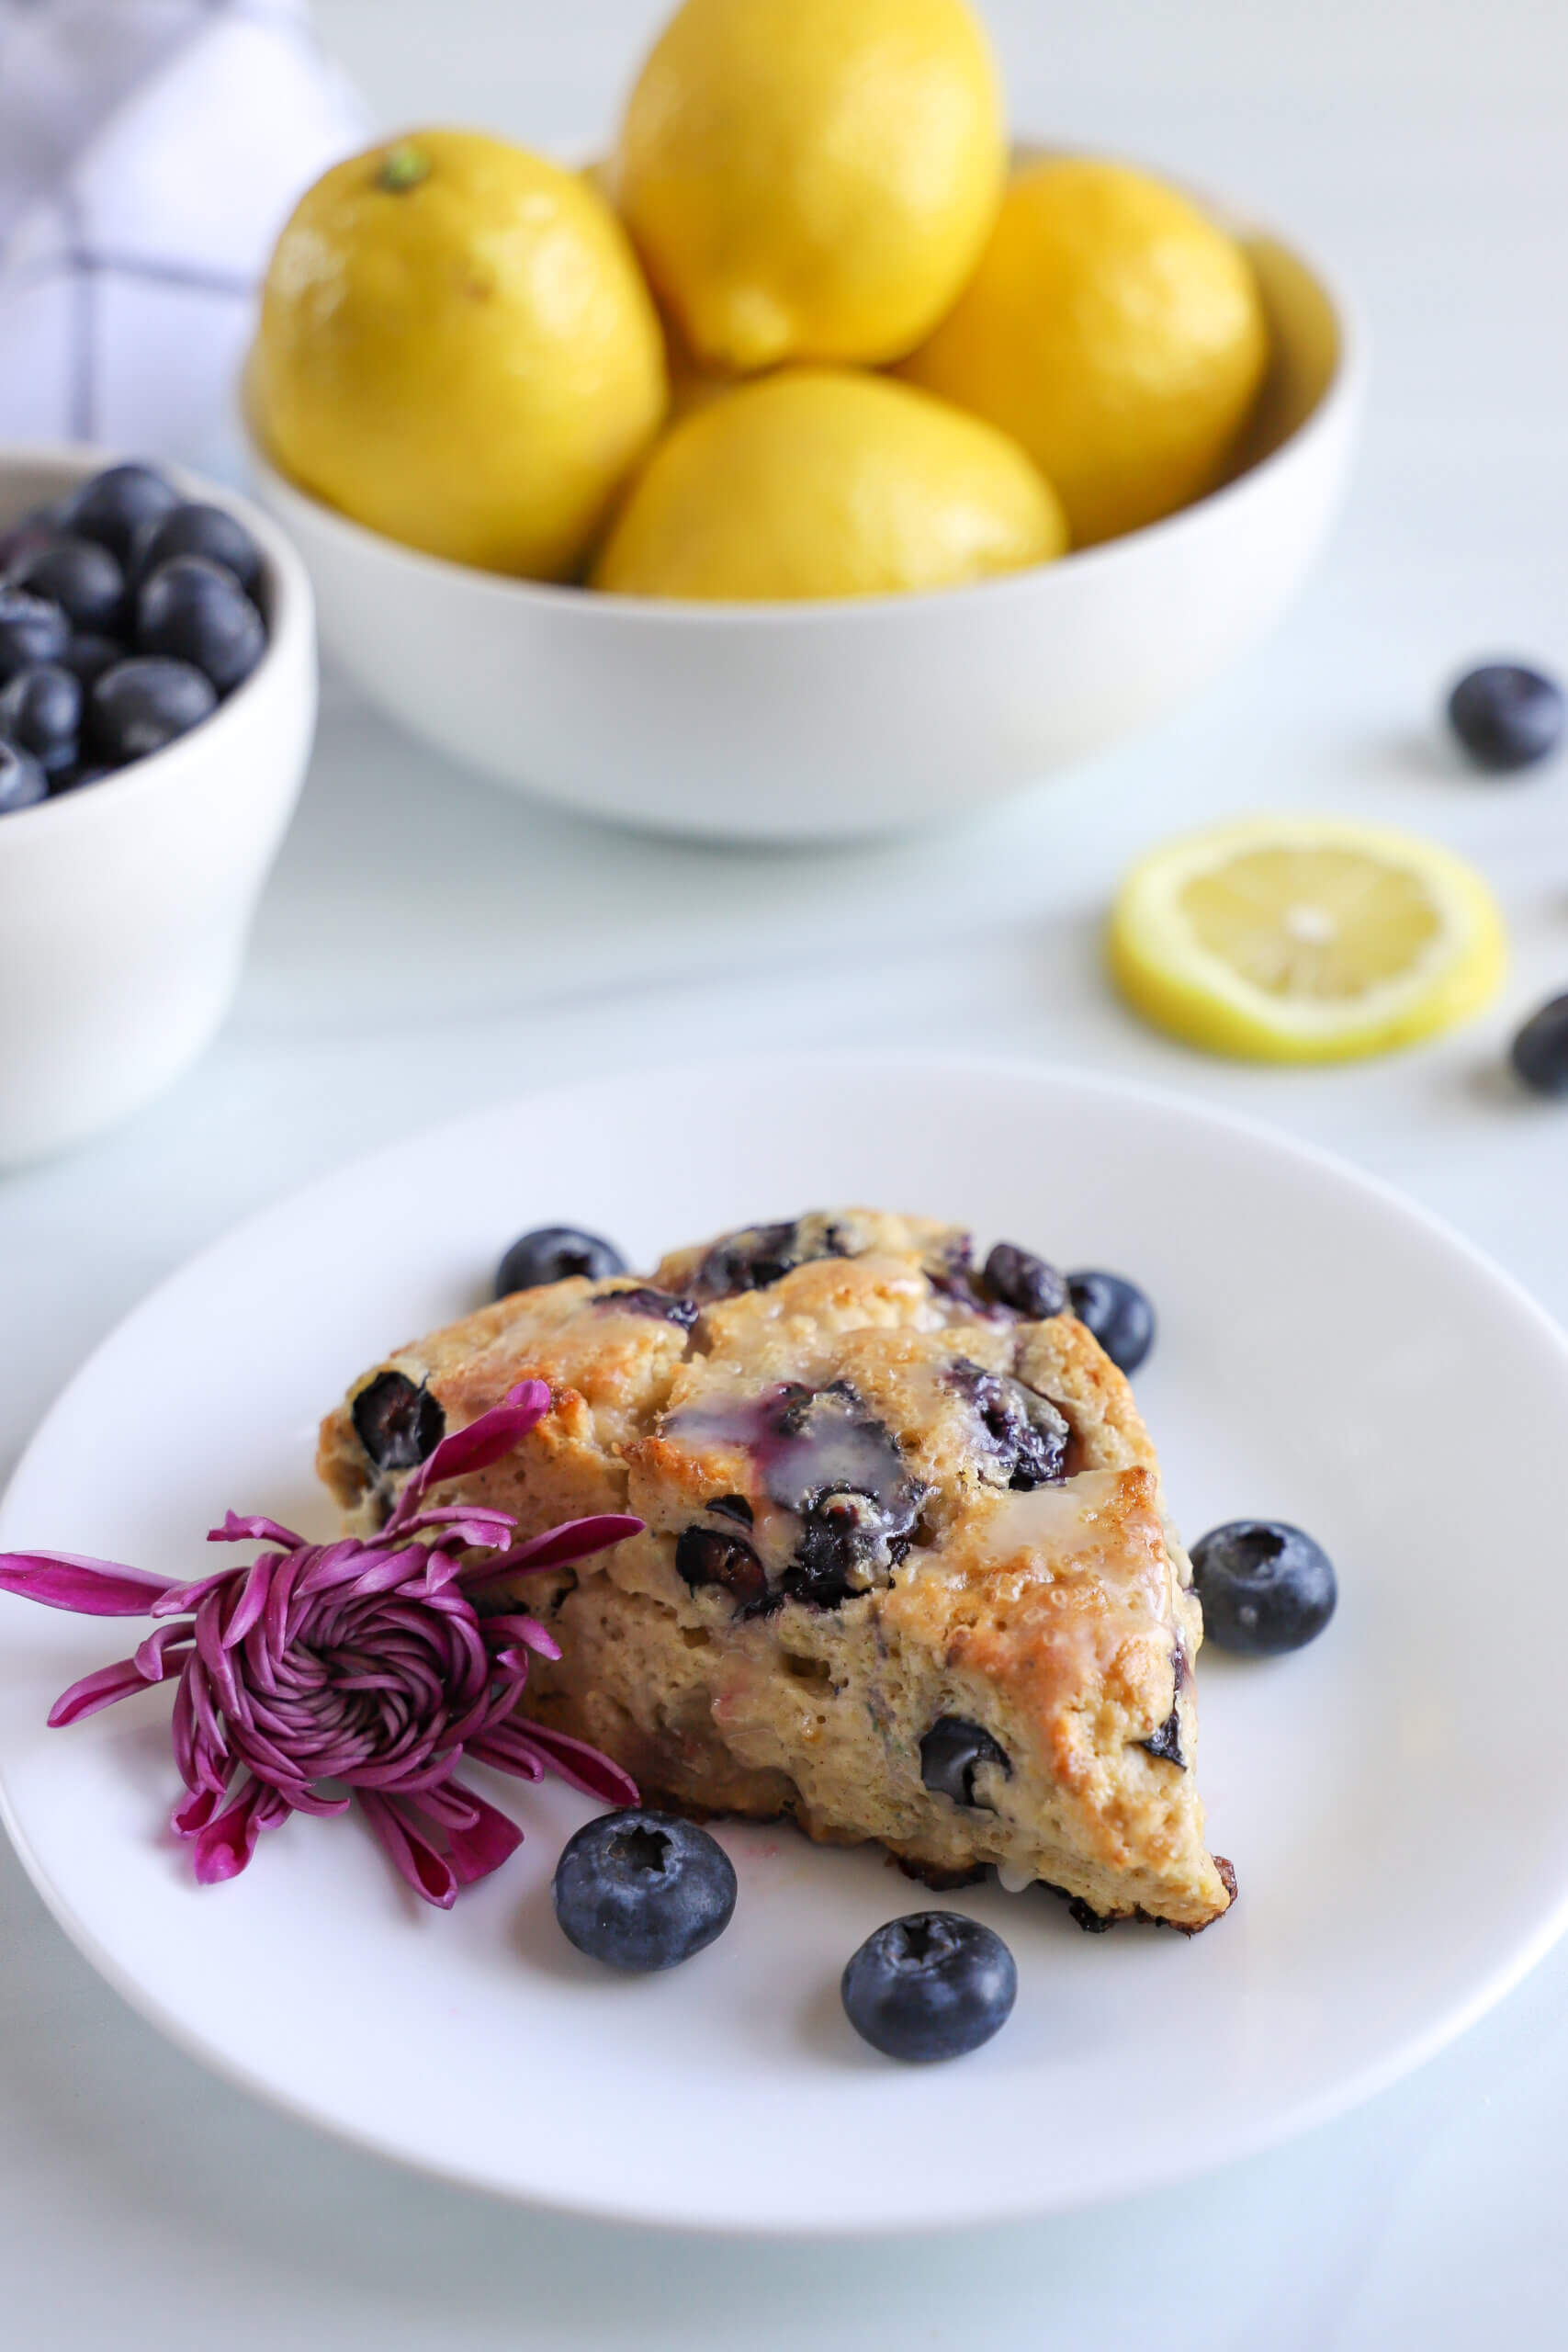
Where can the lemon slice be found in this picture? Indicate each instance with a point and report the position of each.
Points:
(1304, 939)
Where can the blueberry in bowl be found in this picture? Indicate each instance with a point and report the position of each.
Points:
(194, 610)
(41, 713)
(23, 782)
(143, 705)
(643, 1891)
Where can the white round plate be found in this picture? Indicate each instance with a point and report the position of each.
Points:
(1394, 1798)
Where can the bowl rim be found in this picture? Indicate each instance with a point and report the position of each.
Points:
(290, 629)
(1339, 401)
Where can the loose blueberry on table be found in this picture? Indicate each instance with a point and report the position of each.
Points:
(553, 1252)
(126, 613)
(1266, 1587)
(1539, 1052)
(643, 1891)
(1506, 717)
(936, 1984)
(1117, 1312)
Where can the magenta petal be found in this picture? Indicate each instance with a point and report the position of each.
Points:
(236, 1530)
(67, 1581)
(526, 1630)
(483, 1442)
(181, 1599)
(475, 1852)
(248, 1608)
(97, 1690)
(194, 1813)
(412, 1856)
(488, 1579)
(573, 1539)
(224, 1847)
(164, 1651)
(584, 1767)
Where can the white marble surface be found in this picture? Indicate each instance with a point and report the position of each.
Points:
(428, 944)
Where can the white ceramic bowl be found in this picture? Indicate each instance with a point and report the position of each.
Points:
(125, 907)
(787, 722)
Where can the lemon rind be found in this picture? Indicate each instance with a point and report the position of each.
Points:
(1184, 988)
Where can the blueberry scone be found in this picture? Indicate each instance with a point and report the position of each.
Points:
(906, 1573)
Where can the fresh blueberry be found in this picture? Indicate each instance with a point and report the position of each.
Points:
(140, 705)
(951, 1753)
(40, 711)
(1539, 1052)
(1506, 717)
(552, 1253)
(399, 1423)
(1016, 1278)
(24, 537)
(659, 1305)
(73, 776)
(88, 655)
(79, 576)
(31, 631)
(760, 1255)
(704, 1556)
(22, 781)
(192, 610)
(642, 1891)
(933, 1985)
(197, 530)
(114, 505)
(1116, 1311)
(1265, 1585)
(1027, 1433)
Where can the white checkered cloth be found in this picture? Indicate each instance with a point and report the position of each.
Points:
(150, 153)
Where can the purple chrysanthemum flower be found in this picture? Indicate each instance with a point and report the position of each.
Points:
(364, 1663)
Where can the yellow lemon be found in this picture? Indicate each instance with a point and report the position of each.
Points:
(1304, 939)
(1114, 330)
(458, 348)
(820, 482)
(812, 179)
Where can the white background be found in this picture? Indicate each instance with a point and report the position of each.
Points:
(429, 943)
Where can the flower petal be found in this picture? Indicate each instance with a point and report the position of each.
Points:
(164, 1651)
(69, 1580)
(475, 1851)
(574, 1761)
(194, 1813)
(97, 1690)
(573, 1539)
(236, 1530)
(251, 1600)
(412, 1856)
(484, 1441)
(526, 1630)
(226, 1844)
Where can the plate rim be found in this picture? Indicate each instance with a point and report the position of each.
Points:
(1307, 2114)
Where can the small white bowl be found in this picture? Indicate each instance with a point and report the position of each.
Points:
(815, 721)
(125, 906)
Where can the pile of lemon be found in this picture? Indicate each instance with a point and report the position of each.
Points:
(806, 333)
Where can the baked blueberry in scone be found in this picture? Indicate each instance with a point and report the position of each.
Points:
(906, 1573)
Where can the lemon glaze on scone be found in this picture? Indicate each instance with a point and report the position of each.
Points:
(906, 1575)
